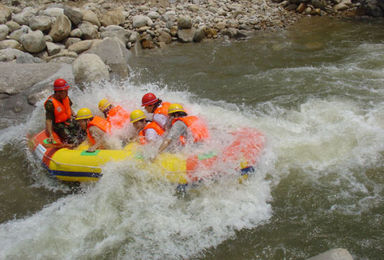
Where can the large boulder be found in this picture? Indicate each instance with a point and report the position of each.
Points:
(27, 75)
(89, 67)
(33, 42)
(116, 31)
(60, 29)
(114, 54)
(20, 56)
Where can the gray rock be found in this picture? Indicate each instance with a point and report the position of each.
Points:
(89, 16)
(89, 31)
(5, 13)
(4, 30)
(28, 75)
(42, 23)
(186, 35)
(61, 28)
(116, 31)
(199, 34)
(140, 21)
(165, 37)
(114, 17)
(53, 48)
(89, 68)
(54, 11)
(24, 17)
(13, 44)
(76, 33)
(74, 14)
(81, 46)
(13, 26)
(9, 54)
(114, 54)
(153, 15)
(184, 22)
(33, 42)
(70, 41)
(16, 35)
(333, 254)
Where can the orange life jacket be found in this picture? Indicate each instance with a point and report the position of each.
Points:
(118, 116)
(196, 126)
(155, 126)
(162, 109)
(62, 110)
(100, 123)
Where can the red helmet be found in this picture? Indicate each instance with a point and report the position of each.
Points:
(60, 84)
(149, 99)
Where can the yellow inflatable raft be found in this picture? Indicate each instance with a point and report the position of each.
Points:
(78, 165)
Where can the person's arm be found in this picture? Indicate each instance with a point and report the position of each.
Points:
(98, 135)
(49, 128)
(49, 117)
(178, 129)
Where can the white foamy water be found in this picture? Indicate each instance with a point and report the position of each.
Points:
(130, 215)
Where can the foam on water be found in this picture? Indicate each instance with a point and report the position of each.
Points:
(132, 215)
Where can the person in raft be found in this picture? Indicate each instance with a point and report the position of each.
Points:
(97, 129)
(145, 131)
(59, 115)
(157, 107)
(115, 114)
(184, 129)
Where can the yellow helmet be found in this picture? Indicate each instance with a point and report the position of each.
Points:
(84, 113)
(137, 115)
(104, 104)
(173, 108)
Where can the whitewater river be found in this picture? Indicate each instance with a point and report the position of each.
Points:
(316, 91)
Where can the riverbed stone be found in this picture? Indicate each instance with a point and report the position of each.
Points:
(81, 46)
(54, 11)
(141, 20)
(89, 31)
(33, 42)
(53, 48)
(24, 17)
(184, 22)
(4, 30)
(114, 17)
(116, 31)
(16, 35)
(186, 35)
(89, 67)
(42, 23)
(5, 14)
(13, 44)
(74, 14)
(90, 16)
(61, 28)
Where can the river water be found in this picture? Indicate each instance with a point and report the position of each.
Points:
(316, 92)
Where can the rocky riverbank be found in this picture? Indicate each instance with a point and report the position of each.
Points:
(91, 40)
